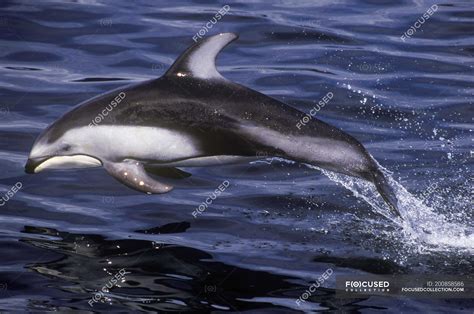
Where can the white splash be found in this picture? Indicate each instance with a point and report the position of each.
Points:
(422, 228)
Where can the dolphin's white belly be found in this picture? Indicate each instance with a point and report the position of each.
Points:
(135, 142)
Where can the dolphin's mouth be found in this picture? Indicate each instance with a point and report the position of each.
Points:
(32, 163)
(35, 165)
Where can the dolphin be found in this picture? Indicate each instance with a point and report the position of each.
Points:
(193, 116)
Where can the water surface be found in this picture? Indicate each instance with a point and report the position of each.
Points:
(279, 225)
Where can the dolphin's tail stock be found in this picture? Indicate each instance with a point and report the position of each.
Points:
(386, 191)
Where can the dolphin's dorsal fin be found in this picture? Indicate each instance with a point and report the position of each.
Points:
(199, 60)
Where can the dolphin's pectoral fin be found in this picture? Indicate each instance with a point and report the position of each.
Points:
(199, 60)
(168, 172)
(133, 175)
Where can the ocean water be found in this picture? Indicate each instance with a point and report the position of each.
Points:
(64, 235)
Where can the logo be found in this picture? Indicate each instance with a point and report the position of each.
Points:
(363, 286)
(422, 286)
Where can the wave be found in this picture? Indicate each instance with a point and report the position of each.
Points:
(422, 228)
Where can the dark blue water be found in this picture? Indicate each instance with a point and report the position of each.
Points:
(279, 225)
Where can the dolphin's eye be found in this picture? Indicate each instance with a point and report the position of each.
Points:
(66, 147)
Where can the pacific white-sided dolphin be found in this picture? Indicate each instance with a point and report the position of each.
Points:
(193, 116)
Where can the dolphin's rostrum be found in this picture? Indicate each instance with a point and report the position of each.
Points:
(193, 116)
